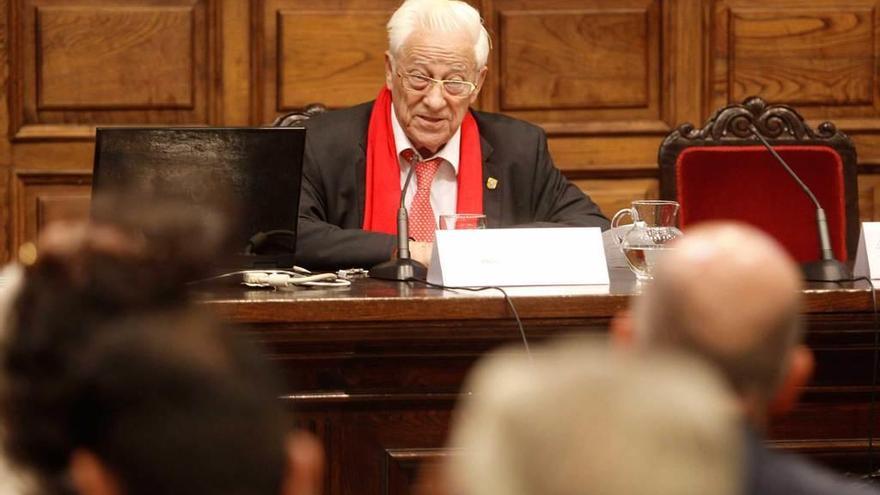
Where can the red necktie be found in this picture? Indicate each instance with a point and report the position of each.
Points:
(421, 216)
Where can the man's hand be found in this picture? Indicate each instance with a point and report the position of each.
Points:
(421, 251)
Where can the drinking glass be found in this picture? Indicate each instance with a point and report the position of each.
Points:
(460, 221)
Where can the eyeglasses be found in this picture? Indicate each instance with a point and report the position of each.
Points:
(418, 83)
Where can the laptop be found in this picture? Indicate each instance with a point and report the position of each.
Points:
(251, 175)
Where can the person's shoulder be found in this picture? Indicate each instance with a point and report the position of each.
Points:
(775, 472)
(342, 121)
(496, 125)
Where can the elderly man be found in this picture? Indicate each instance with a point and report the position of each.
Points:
(357, 160)
(730, 294)
(579, 419)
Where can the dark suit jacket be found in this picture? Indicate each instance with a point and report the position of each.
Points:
(531, 190)
(777, 473)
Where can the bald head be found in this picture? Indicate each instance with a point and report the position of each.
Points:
(730, 293)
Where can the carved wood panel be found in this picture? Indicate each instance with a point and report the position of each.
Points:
(377, 443)
(315, 52)
(820, 56)
(583, 157)
(415, 471)
(40, 198)
(81, 63)
(583, 67)
(605, 78)
(614, 195)
(56, 206)
(347, 72)
(869, 197)
(77, 71)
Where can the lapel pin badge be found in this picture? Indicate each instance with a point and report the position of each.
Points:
(492, 183)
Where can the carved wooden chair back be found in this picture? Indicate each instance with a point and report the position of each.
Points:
(722, 172)
(299, 117)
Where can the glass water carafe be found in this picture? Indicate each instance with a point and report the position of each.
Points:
(643, 242)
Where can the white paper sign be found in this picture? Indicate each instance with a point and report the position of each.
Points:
(868, 254)
(507, 257)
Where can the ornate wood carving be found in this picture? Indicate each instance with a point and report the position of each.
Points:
(298, 117)
(774, 122)
(780, 125)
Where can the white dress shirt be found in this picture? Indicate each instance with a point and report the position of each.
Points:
(444, 189)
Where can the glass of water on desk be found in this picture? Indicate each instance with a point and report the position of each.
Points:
(643, 241)
(463, 221)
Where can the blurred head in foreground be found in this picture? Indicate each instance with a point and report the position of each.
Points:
(163, 404)
(582, 420)
(112, 385)
(729, 294)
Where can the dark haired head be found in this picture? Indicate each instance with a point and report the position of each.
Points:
(131, 260)
(173, 404)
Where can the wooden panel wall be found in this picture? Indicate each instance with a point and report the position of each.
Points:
(605, 78)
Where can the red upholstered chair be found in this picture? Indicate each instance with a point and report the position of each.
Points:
(722, 172)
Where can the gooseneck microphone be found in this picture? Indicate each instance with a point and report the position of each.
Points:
(403, 267)
(827, 268)
(403, 217)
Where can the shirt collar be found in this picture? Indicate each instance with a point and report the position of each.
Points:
(451, 152)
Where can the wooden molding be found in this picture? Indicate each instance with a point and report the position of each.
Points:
(153, 64)
(410, 470)
(32, 195)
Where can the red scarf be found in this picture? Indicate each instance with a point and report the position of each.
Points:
(383, 169)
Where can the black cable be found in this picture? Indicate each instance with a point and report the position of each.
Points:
(507, 298)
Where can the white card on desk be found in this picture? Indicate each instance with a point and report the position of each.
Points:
(868, 254)
(557, 256)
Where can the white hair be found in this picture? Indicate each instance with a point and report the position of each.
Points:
(582, 419)
(438, 15)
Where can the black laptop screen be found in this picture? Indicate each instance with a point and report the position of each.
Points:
(251, 175)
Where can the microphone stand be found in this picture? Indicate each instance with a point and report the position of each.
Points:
(403, 267)
(828, 268)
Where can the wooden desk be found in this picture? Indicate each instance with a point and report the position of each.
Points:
(375, 369)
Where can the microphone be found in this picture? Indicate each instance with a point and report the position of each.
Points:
(827, 268)
(402, 215)
(403, 267)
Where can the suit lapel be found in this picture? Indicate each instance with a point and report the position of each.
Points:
(491, 196)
